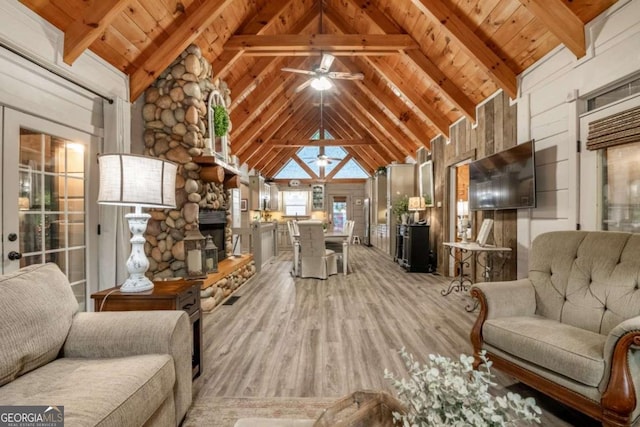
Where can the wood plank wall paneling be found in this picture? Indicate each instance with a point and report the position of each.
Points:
(495, 131)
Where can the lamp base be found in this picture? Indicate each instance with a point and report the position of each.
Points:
(136, 284)
(137, 264)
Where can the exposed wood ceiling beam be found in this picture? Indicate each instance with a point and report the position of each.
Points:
(277, 162)
(252, 106)
(471, 44)
(280, 53)
(374, 151)
(262, 66)
(379, 21)
(318, 142)
(345, 130)
(366, 121)
(270, 114)
(292, 124)
(561, 21)
(344, 110)
(260, 23)
(449, 89)
(413, 100)
(405, 121)
(291, 121)
(377, 118)
(286, 43)
(305, 167)
(94, 21)
(337, 167)
(411, 97)
(181, 37)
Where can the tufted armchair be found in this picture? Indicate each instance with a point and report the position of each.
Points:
(571, 329)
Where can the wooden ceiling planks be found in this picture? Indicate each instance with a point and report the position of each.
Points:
(440, 80)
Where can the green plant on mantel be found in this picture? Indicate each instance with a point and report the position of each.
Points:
(220, 120)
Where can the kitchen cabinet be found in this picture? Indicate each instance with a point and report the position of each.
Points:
(317, 197)
(274, 198)
(400, 183)
(257, 193)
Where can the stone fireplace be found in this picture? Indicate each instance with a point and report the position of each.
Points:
(213, 223)
(175, 117)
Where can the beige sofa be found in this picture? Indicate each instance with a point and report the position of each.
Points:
(572, 328)
(106, 369)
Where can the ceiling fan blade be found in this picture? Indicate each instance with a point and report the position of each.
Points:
(325, 63)
(334, 159)
(345, 76)
(296, 70)
(303, 86)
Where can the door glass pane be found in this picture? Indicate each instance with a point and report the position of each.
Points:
(76, 266)
(30, 232)
(54, 154)
(51, 200)
(75, 229)
(30, 260)
(621, 188)
(54, 232)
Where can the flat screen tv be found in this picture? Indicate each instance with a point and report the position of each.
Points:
(505, 180)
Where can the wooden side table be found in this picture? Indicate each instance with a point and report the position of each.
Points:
(169, 295)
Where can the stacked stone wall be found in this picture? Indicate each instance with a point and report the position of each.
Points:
(175, 116)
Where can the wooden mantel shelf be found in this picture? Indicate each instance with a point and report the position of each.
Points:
(211, 171)
(212, 160)
(225, 268)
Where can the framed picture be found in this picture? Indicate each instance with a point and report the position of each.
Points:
(244, 205)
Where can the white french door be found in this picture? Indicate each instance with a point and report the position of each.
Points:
(47, 201)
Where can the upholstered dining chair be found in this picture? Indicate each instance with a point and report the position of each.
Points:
(338, 245)
(315, 260)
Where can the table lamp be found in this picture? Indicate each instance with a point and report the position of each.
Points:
(416, 204)
(463, 219)
(139, 181)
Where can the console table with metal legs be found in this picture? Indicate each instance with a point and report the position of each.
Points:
(463, 254)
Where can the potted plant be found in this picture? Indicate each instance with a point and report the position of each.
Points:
(400, 208)
(451, 393)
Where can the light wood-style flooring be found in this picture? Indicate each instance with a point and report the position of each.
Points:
(299, 337)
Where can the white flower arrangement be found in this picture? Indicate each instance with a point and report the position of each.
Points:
(448, 393)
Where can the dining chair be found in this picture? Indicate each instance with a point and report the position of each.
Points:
(338, 245)
(315, 259)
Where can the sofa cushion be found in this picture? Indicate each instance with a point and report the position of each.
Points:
(573, 352)
(37, 306)
(117, 392)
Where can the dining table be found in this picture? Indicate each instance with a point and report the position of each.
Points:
(337, 234)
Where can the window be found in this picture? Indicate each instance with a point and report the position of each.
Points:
(614, 95)
(295, 203)
(621, 188)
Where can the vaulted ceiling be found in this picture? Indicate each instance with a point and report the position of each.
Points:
(426, 63)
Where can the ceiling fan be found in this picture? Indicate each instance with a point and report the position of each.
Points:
(321, 76)
(322, 159)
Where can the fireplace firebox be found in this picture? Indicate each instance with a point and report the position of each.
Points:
(212, 223)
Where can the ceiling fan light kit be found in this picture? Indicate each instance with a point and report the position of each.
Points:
(321, 83)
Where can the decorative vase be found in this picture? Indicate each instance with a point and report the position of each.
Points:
(404, 217)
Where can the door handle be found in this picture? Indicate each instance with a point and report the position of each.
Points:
(13, 255)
